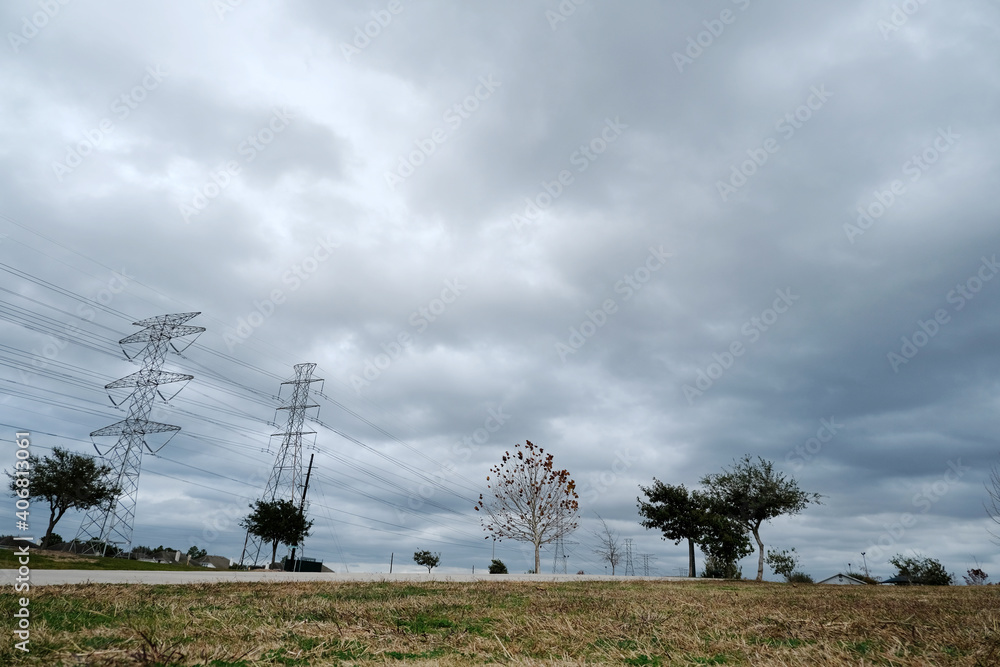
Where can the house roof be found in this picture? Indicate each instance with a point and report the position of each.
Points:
(218, 562)
(841, 578)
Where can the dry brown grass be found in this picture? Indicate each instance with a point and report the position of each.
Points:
(621, 622)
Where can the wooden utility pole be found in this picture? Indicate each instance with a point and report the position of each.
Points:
(302, 508)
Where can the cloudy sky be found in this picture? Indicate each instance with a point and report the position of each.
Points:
(649, 238)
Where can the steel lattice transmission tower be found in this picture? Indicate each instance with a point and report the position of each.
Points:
(629, 565)
(113, 526)
(287, 481)
(559, 558)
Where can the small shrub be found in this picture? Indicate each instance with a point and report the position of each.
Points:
(54, 538)
(782, 562)
(975, 577)
(799, 578)
(863, 577)
(922, 570)
(497, 567)
(716, 569)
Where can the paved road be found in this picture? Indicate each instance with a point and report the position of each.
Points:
(56, 577)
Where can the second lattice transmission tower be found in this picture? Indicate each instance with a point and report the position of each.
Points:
(287, 481)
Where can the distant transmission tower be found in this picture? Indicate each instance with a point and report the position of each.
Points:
(559, 558)
(113, 526)
(286, 481)
(629, 567)
(646, 558)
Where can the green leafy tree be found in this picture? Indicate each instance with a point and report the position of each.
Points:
(752, 493)
(194, 552)
(694, 516)
(65, 481)
(675, 512)
(277, 522)
(782, 562)
(724, 538)
(497, 567)
(427, 559)
(922, 570)
(532, 500)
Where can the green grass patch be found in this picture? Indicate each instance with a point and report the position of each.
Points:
(619, 644)
(424, 623)
(426, 655)
(71, 616)
(101, 643)
(346, 651)
(42, 561)
(280, 657)
(479, 627)
(861, 648)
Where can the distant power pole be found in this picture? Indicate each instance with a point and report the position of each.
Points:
(113, 526)
(629, 566)
(302, 506)
(286, 481)
(646, 558)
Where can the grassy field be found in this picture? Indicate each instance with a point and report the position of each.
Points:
(626, 622)
(59, 560)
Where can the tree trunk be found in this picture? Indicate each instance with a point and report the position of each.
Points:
(760, 559)
(538, 562)
(274, 553)
(691, 567)
(53, 520)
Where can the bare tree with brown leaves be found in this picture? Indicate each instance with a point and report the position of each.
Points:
(532, 501)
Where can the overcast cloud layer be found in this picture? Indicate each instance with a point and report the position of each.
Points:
(650, 238)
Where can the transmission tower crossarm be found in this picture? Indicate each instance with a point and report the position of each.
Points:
(133, 426)
(144, 379)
